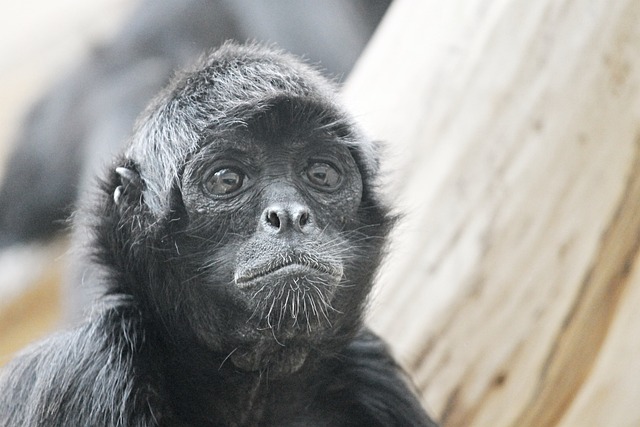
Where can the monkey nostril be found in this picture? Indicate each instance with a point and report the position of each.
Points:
(273, 219)
(277, 219)
(303, 218)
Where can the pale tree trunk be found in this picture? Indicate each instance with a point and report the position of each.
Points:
(513, 135)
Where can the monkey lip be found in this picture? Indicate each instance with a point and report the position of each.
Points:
(288, 265)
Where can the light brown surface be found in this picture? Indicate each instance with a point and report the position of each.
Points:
(511, 288)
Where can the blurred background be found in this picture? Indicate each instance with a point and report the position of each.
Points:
(513, 152)
(40, 42)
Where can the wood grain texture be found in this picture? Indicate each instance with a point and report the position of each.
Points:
(513, 131)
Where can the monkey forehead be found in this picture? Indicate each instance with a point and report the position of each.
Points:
(222, 90)
(236, 73)
(233, 76)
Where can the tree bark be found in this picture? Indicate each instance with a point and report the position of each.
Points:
(513, 150)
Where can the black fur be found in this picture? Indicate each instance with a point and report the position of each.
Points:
(229, 309)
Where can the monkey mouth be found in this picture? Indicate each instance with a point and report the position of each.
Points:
(288, 265)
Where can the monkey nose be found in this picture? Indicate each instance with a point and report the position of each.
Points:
(279, 219)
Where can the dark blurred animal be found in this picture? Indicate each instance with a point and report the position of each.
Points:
(239, 234)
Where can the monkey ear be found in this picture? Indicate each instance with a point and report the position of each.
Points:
(131, 185)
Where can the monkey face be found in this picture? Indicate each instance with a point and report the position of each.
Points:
(275, 229)
(285, 203)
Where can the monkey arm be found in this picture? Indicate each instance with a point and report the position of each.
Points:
(90, 376)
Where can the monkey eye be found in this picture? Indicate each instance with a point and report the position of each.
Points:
(224, 181)
(323, 175)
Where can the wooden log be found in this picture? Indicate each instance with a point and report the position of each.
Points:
(513, 129)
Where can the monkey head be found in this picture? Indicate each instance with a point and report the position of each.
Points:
(244, 214)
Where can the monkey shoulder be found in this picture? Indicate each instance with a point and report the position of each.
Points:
(376, 389)
(93, 375)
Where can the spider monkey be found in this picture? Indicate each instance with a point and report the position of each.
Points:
(238, 235)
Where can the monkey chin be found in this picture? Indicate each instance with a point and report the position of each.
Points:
(293, 301)
(289, 308)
